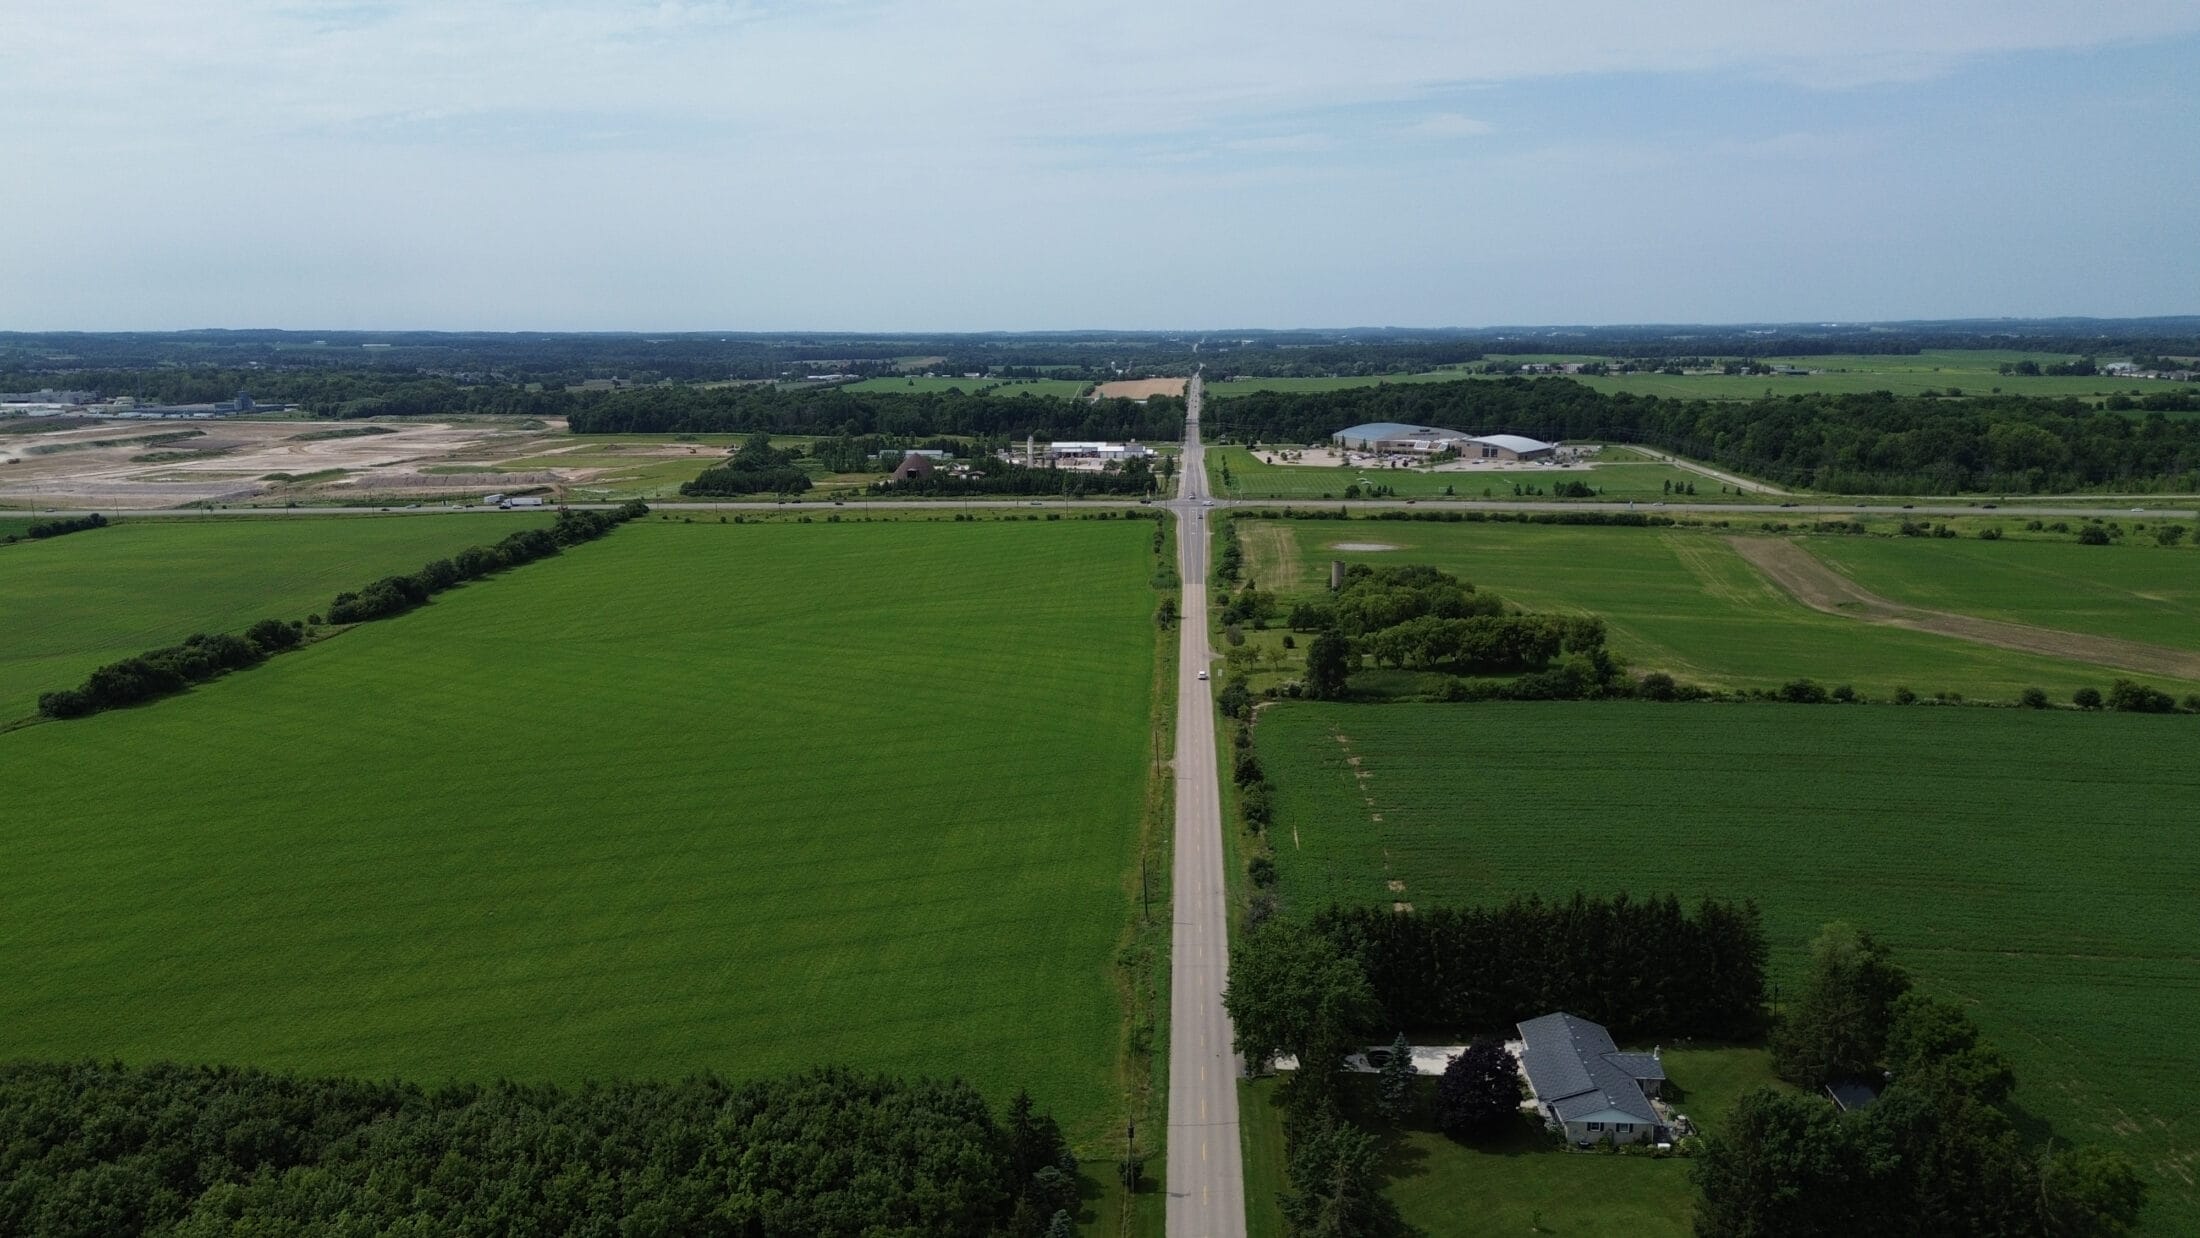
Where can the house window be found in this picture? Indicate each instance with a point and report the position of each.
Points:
(1626, 1128)
(1596, 1126)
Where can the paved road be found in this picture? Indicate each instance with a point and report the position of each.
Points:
(1206, 1174)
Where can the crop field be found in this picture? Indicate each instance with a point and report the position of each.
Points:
(1682, 601)
(75, 602)
(2033, 865)
(694, 797)
(2135, 590)
(1624, 475)
(1052, 388)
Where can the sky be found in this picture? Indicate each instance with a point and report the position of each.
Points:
(1021, 165)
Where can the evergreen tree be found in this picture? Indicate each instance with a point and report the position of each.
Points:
(1394, 1091)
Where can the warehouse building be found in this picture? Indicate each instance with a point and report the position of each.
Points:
(1397, 438)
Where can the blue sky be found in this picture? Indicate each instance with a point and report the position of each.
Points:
(980, 164)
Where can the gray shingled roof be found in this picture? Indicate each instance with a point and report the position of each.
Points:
(1576, 1070)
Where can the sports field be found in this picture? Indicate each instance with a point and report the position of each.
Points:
(696, 796)
(2134, 590)
(75, 602)
(1683, 601)
(2034, 865)
(1237, 473)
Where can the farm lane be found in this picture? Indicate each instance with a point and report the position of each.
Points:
(1206, 1172)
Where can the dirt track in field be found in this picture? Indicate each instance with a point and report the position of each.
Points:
(1807, 578)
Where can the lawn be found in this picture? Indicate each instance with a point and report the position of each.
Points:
(1682, 601)
(2035, 866)
(738, 798)
(1448, 1189)
(2133, 590)
(1052, 388)
(78, 601)
(1627, 475)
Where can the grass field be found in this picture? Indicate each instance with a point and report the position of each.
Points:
(1627, 475)
(1447, 1189)
(1053, 388)
(2136, 591)
(78, 601)
(726, 797)
(1681, 601)
(2032, 865)
(1973, 372)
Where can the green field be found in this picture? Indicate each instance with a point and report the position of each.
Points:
(78, 601)
(1973, 372)
(1448, 1189)
(2036, 866)
(1682, 601)
(1627, 475)
(2133, 591)
(1225, 388)
(1052, 388)
(696, 796)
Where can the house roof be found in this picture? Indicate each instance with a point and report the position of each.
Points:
(1574, 1068)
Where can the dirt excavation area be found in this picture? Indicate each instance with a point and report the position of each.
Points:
(1810, 581)
(122, 465)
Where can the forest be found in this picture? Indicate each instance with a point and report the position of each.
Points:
(1874, 443)
(833, 411)
(97, 1149)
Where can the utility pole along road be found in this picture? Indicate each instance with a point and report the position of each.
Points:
(1206, 1172)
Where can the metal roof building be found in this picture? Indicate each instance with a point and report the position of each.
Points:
(1398, 436)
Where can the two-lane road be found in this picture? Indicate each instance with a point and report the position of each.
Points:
(1206, 1174)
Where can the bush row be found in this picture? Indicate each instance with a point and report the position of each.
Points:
(160, 672)
(56, 528)
(163, 672)
(394, 595)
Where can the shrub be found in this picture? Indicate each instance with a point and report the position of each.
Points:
(2131, 697)
(2033, 698)
(1802, 692)
(1903, 696)
(2086, 698)
(1480, 1091)
(1845, 694)
(1657, 686)
(2093, 535)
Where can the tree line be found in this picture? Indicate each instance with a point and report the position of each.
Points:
(839, 411)
(1641, 967)
(100, 1148)
(169, 670)
(1001, 477)
(1940, 1151)
(1868, 443)
(57, 528)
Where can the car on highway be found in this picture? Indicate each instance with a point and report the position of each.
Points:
(1203, 674)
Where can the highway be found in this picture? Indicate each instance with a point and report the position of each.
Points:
(1206, 1172)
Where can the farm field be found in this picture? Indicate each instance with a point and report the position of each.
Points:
(650, 807)
(2135, 591)
(1625, 475)
(1225, 388)
(76, 602)
(1447, 1189)
(1682, 601)
(1052, 388)
(2031, 864)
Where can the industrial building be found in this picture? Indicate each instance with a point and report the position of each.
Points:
(1397, 438)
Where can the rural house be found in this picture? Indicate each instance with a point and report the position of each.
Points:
(1584, 1085)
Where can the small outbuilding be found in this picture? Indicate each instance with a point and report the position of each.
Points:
(1585, 1086)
